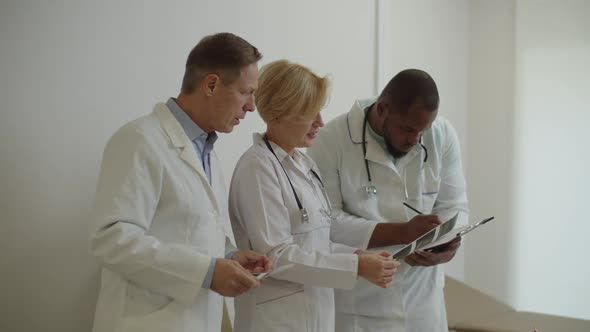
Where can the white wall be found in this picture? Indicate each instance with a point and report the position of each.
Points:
(433, 36)
(489, 262)
(529, 82)
(72, 72)
(551, 159)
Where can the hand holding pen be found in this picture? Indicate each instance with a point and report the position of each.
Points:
(418, 225)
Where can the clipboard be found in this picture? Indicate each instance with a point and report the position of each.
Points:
(445, 240)
(439, 237)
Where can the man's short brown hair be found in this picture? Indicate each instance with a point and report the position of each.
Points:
(223, 54)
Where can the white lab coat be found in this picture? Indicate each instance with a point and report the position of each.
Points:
(265, 218)
(156, 225)
(414, 301)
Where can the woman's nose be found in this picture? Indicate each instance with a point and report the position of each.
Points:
(319, 122)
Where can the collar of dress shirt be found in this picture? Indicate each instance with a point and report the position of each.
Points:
(191, 129)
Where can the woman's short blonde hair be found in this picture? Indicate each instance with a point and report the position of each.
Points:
(289, 90)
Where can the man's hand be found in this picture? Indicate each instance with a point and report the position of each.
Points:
(429, 258)
(231, 279)
(377, 267)
(419, 225)
(252, 261)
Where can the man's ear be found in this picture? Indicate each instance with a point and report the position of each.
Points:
(381, 111)
(211, 81)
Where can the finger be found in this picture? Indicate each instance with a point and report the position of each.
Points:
(409, 260)
(455, 245)
(267, 264)
(447, 256)
(258, 269)
(443, 257)
(432, 218)
(249, 282)
(388, 273)
(424, 253)
(384, 253)
(235, 288)
(390, 264)
(263, 263)
(241, 267)
(450, 249)
(252, 256)
(240, 288)
(256, 265)
(421, 261)
(246, 279)
(418, 260)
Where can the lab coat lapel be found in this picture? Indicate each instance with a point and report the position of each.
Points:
(356, 121)
(405, 160)
(376, 154)
(184, 146)
(217, 183)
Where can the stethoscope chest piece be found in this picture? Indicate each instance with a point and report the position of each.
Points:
(304, 215)
(371, 190)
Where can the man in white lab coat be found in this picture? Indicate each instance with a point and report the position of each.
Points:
(384, 152)
(161, 230)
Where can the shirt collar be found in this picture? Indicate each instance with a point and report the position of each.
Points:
(299, 159)
(190, 128)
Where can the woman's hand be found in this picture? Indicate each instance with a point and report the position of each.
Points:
(252, 261)
(377, 267)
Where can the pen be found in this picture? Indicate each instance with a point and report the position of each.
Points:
(412, 208)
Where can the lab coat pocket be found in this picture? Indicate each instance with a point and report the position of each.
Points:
(275, 289)
(286, 313)
(312, 235)
(371, 300)
(162, 320)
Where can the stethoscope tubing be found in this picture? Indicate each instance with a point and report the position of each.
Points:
(370, 188)
(303, 210)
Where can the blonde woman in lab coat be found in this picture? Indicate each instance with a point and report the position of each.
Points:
(278, 207)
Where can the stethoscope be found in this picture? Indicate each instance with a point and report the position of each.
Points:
(302, 210)
(370, 189)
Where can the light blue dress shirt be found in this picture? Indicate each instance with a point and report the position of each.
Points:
(203, 144)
